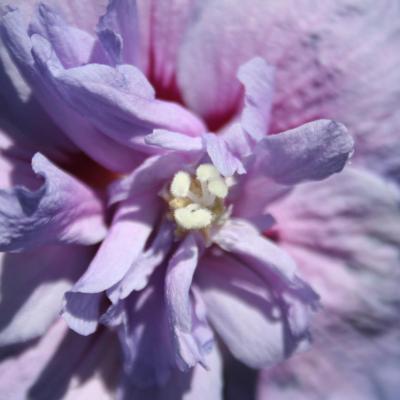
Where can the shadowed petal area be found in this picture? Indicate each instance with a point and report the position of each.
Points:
(61, 210)
(32, 285)
(62, 365)
(82, 311)
(242, 309)
(142, 325)
(291, 301)
(342, 364)
(197, 384)
(191, 334)
(312, 151)
(345, 235)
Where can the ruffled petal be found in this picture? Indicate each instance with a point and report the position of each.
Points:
(73, 46)
(107, 152)
(32, 286)
(345, 235)
(257, 78)
(61, 210)
(118, 31)
(174, 141)
(295, 300)
(143, 267)
(197, 384)
(119, 101)
(310, 152)
(27, 122)
(243, 310)
(61, 365)
(144, 335)
(221, 155)
(131, 227)
(192, 337)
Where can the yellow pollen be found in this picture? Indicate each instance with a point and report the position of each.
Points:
(197, 202)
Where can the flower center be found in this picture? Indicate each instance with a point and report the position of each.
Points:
(197, 202)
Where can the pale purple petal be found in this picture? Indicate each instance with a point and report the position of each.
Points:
(312, 151)
(245, 312)
(83, 15)
(107, 152)
(120, 102)
(278, 272)
(32, 286)
(243, 239)
(192, 338)
(174, 141)
(150, 176)
(345, 235)
(142, 268)
(73, 46)
(118, 31)
(257, 78)
(221, 156)
(131, 227)
(61, 210)
(254, 193)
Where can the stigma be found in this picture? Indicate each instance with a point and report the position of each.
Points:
(197, 201)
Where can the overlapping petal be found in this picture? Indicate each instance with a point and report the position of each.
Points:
(32, 285)
(62, 210)
(344, 232)
(61, 365)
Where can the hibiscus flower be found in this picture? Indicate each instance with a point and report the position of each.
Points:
(190, 195)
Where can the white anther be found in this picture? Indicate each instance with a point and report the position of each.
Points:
(205, 172)
(218, 188)
(180, 184)
(193, 217)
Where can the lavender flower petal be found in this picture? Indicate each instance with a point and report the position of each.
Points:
(311, 152)
(189, 329)
(61, 210)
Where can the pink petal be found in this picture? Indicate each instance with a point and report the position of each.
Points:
(344, 233)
